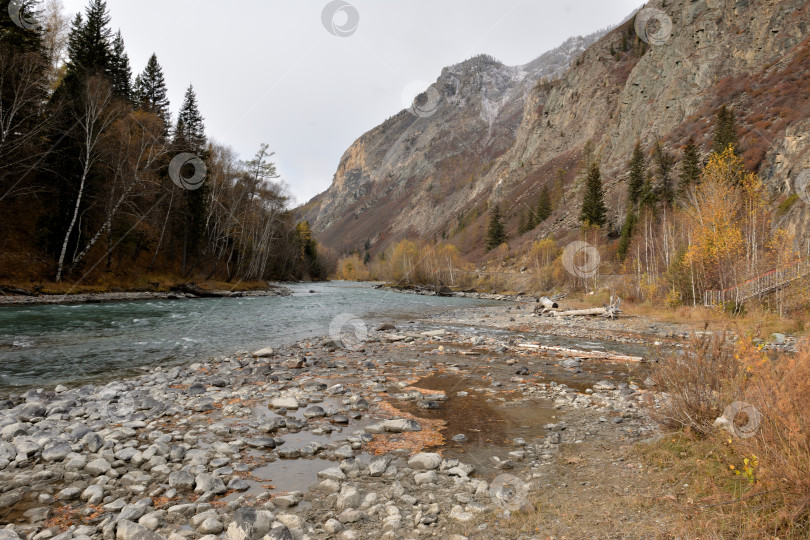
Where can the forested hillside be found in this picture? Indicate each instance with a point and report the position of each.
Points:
(675, 146)
(98, 183)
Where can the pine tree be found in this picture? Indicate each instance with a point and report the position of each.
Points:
(190, 131)
(690, 166)
(121, 72)
(664, 161)
(151, 94)
(638, 171)
(544, 205)
(725, 131)
(593, 210)
(496, 233)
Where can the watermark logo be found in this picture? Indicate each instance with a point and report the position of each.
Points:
(196, 180)
(581, 259)
(118, 412)
(340, 18)
(728, 420)
(801, 184)
(16, 10)
(421, 103)
(653, 26)
(348, 330)
(509, 492)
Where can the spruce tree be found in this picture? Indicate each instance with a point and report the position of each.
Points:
(89, 45)
(121, 73)
(189, 136)
(626, 235)
(522, 224)
(690, 166)
(496, 233)
(649, 197)
(725, 131)
(190, 131)
(544, 205)
(638, 171)
(664, 162)
(151, 94)
(593, 210)
(531, 220)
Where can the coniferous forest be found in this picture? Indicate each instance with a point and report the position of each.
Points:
(100, 184)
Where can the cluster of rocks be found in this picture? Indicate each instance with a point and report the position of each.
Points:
(174, 453)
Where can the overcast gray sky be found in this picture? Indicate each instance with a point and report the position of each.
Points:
(269, 71)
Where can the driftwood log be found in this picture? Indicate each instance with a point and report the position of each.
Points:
(599, 355)
(545, 305)
(610, 311)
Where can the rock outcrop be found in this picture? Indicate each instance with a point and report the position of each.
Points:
(498, 134)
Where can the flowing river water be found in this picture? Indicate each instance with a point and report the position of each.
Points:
(46, 345)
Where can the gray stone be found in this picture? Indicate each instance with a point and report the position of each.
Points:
(128, 530)
(428, 477)
(206, 483)
(10, 498)
(378, 465)
(349, 497)
(249, 524)
(182, 480)
(279, 533)
(98, 467)
(351, 516)
(56, 451)
(400, 425)
(210, 526)
(284, 403)
(69, 494)
(93, 494)
(425, 461)
(32, 410)
(132, 512)
(344, 452)
(332, 473)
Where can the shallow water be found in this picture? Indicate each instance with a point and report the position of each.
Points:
(43, 346)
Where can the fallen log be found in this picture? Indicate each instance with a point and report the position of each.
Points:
(581, 312)
(548, 303)
(599, 355)
(610, 311)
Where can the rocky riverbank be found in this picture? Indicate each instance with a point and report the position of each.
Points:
(422, 430)
(16, 297)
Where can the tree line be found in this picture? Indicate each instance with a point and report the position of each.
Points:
(97, 178)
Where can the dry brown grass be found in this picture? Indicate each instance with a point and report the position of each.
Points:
(697, 382)
(770, 458)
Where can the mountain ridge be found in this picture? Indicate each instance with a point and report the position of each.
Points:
(441, 173)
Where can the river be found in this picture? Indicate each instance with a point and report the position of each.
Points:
(46, 345)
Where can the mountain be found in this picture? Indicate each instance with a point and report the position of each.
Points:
(499, 134)
(408, 174)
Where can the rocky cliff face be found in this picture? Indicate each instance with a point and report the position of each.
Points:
(496, 136)
(416, 170)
